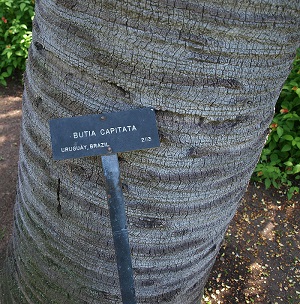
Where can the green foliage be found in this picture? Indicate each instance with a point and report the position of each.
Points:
(280, 159)
(15, 35)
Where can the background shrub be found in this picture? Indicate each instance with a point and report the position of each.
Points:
(15, 35)
(279, 164)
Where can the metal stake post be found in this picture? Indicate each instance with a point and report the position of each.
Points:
(111, 170)
(135, 130)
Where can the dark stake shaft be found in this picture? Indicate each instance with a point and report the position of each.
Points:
(119, 227)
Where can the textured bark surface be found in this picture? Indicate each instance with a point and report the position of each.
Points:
(212, 71)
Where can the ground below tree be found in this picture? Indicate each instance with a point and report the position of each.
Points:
(259, 261)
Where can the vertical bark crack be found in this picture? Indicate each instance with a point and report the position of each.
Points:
(58, 198)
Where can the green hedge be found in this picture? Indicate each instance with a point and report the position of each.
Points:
(279, 164)
(15, 32)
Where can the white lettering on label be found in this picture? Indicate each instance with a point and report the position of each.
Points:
(145, 139)
(99, 145)
(83, 134)
(73, 148)
(115, 130)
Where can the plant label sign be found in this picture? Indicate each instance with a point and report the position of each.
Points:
(103, 134)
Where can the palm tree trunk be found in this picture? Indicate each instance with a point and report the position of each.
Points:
(212, 71)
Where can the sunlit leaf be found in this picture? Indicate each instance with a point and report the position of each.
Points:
(296, 169)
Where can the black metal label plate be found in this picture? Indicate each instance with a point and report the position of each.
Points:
(103, 134)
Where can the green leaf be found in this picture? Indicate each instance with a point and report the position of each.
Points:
(3, 82)
(22, 6)
(9, 70)
(286, 148)
(275, 136)
(270, 169)
(8, 54)
(293, 83)
(288, 163)
(279, 131)
(267, 183)
(266, 151)
(296, 169)
(275, 184)
(287, 137)
(290, 194)
(292, 191)
(272, 145)
(8, 3)
(19, 53)
(290, 124)
(286, 129)
(273, 157)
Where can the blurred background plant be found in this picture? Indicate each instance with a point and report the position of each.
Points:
(279, 165)
(15, 35)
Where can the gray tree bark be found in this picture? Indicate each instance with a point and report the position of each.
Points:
(212, 70)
